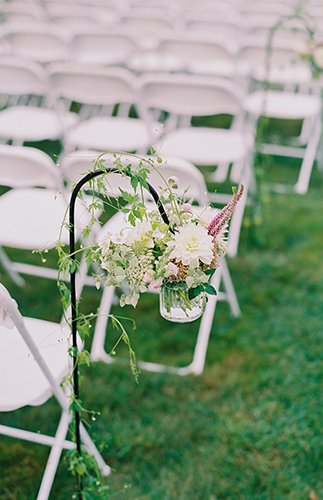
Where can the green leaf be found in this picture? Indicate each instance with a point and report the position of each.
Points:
(134, 182)
(210, 272)
(210, 290)
(194, 292)
(128, 196)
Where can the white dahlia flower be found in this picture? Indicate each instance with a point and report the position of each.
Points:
(140, 233)
(192, 242)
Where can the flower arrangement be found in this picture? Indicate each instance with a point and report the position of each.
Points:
(312, 52)
(179, 257)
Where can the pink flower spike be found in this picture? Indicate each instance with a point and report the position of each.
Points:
(187, 207)
(222, 218)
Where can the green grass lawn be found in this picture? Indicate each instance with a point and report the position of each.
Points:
(251, 426)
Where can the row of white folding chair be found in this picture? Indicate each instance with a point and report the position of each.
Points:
(23, 81)
(97, 87)
(85, 43)
(110, 133)
(144, 30)
(194, 52)
(207, 55)
(187, 96)
(182, 97)
(109, 86)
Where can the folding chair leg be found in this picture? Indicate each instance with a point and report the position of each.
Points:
(222, 274)
(7, 264)
(237, 217)
(92, 449)
(54, 457)
(301, 186)
(230, 291)
(197, 365)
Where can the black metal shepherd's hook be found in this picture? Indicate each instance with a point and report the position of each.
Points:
(84, 180)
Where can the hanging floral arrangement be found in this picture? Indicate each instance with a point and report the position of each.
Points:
(179, 258)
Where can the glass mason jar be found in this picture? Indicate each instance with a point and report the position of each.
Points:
(175, 304)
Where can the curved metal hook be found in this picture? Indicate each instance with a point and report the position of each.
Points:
(84, 180)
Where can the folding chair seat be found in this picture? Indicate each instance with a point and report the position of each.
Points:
(99, 90)
(25, 115)
(186, 96)
(191, 180)
(33, 361)
(31, 213)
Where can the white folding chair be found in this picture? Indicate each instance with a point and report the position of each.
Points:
(278, 66)
(146, 25)
(102, 48)
(191, 181)
(26, 114)
(291, 106)
(20, 11)
(99, 90)
(32, 212)
(42, 42)
(34, 359)
(198, 54)
(290, 94)
(225, 30)
(187, 96)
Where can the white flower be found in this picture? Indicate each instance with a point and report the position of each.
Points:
(104, 243)
(192, 242)
(140, 234)
(207, 215)
(118, 239)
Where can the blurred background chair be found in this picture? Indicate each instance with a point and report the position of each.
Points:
(177, 100)
(42, 42)
(101, 92)
(32, 211)
(18, 11)
(26, 113)
(35, 357)
(102, 47)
